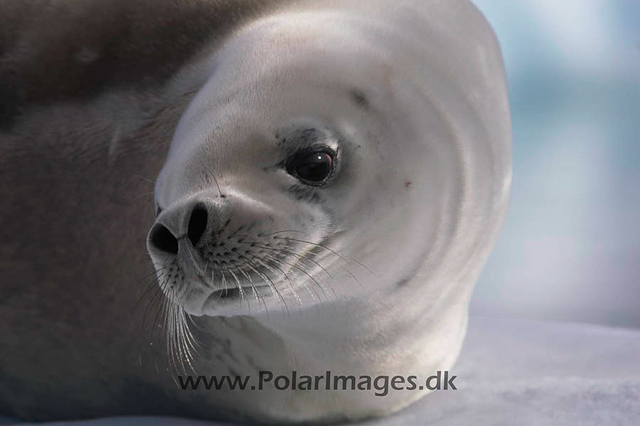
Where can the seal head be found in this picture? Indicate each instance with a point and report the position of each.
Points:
(347, 155)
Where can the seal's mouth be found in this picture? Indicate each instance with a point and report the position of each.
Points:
(227, 294)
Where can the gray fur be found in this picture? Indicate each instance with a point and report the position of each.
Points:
(74, 75)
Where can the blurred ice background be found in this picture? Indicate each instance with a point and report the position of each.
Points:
(570, 249)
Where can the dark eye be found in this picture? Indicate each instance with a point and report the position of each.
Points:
(312, 168)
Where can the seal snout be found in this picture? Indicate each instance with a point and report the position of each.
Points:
(212, 252)
(197, 223)
(162, 239)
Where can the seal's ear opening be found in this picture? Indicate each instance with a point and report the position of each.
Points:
(197, 223)
(162, 239)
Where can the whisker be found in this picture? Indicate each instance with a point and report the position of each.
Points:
(293, 290)
(298, 266)
(238, 286)
(301, 257)
(303, 282)
(153, 182)
(253, 287)
(147, 194)
(314, 244)
(291, 285)
(270, 283)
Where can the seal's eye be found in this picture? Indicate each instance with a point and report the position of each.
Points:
(312, 168)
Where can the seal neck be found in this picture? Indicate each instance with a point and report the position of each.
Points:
(381, 337)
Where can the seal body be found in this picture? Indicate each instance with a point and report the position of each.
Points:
(400, 108)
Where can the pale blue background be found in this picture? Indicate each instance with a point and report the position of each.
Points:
(570, 249)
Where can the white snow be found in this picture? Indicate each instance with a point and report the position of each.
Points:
(516, 372)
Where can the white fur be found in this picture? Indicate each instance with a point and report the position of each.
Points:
(422, 198)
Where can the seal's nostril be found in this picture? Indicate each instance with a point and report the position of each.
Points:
(164, 240)
(197, 224)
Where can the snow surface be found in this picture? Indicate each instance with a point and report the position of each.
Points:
(514, 372)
